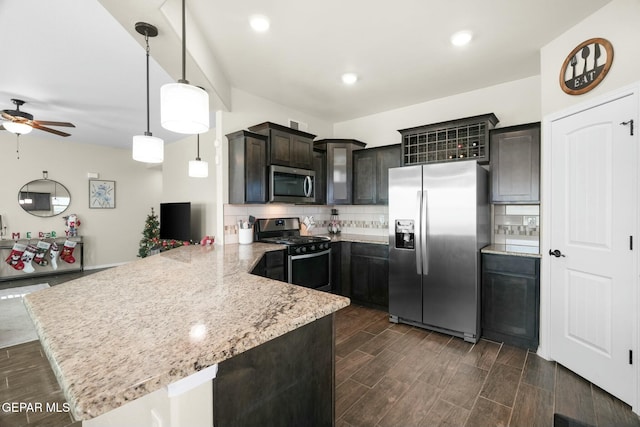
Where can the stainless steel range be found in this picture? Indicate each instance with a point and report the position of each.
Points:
(308, 257)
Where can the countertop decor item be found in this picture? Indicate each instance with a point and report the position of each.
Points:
(147, 148)
(334, 222)
(586, 66)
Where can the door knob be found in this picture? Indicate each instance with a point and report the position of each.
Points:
(556, 253)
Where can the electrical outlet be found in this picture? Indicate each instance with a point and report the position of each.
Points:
(530, 221)
(381, 219)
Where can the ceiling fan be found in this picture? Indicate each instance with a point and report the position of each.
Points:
(21, 122)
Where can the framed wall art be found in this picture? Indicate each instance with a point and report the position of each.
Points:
(102, 194)
(586, 66)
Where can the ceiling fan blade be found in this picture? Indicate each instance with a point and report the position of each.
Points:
(49, 123)
(7, 116)
(46, 129)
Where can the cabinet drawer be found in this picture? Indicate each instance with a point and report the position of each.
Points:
(523, 266)
(370, 250)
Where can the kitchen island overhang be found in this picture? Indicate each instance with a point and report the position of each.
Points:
(117, 335)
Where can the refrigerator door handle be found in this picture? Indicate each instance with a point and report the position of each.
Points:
(419, 235)
(424, 233)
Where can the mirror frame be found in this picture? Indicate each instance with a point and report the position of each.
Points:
(50, 213)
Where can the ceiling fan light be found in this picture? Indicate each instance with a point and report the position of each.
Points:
(184, 108)
(148, 149)
(18, 128)
(198, 168)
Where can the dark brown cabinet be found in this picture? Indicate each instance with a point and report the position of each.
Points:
(287, 146)
(371, 174)
(271, 265)
(511, 299)
(369, 274)
(247, 167)
(450, 141)
(515, 164)
(339, 168)
(320, 168)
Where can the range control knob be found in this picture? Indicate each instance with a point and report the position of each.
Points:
(304, 249)
(313, 247)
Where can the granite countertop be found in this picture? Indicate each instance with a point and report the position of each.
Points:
(517, 250)
(119, 334)
(358, 238)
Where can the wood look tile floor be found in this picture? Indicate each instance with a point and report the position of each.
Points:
(386, 375)
(397, 375)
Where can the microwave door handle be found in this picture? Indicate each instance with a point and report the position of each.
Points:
(307, 186)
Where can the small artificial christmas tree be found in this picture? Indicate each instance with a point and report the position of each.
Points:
(150, 235)
(151, 241)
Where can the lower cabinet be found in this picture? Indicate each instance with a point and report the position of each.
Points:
(369, 274)
(271, 265)
(511, 299)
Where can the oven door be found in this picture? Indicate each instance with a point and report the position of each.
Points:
(311, 270)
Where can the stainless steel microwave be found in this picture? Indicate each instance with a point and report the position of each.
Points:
(291, 185)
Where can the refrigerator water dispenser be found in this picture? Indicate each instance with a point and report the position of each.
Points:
(405, 236)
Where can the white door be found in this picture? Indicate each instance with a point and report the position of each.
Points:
(593, 219)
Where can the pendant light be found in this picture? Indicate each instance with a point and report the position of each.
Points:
(147, 148)
(198, 168)
(184, 108)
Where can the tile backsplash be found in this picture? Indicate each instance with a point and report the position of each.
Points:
(516, 224)
(372, 220)
(512, 224)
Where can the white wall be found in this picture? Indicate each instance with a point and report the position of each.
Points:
(616, 22)
(513, 103)
(111, 235)
(179, 187)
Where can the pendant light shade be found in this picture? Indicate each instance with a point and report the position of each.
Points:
(147, 148)
(184, 108)
(198, 168)
(18, 128)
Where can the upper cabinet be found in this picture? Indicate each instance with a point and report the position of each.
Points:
(371, 174)
(287, 146)
(247, 167)
(450, 141)
(515, 164)
(339, 168)
(320, 168)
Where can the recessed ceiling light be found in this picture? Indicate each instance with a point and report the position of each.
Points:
(461, 38)
(259, 23)
(349, 78)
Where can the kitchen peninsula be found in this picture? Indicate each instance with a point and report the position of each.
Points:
(148, 333)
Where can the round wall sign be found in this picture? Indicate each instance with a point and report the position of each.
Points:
(586, 66)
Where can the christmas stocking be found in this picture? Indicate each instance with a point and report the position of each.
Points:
(27, 257)
(41, 251)
(53, 255)
(67, 252)
(15, 257)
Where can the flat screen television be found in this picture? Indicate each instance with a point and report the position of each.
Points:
(175, 221)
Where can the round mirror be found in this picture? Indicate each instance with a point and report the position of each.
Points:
(44, 197)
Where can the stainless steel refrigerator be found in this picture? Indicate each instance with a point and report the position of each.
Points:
(439, 219)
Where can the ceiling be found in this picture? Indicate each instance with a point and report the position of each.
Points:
(82, 61)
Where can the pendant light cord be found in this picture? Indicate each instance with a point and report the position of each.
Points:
(184, 46)
(198, 152)
(146, 39)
